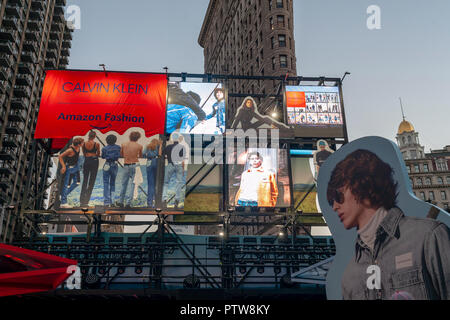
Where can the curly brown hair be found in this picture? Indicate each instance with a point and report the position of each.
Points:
(367, 176)
(135, 136)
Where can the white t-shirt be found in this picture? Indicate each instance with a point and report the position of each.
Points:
(250, 181)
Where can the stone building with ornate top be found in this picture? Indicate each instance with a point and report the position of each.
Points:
(429, 172)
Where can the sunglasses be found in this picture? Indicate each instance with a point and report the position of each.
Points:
(338, 196)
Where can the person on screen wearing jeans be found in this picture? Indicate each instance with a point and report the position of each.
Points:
(131, 151)
(111, 153)
(91, 152)
(258, 186)
(413, 254)
(175, 154)
(218, 109)
(69, 166)
(151, 153)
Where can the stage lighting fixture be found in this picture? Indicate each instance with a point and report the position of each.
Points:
(102, 270)
(120, 270)
(281, 234)
(138, 269)
(260, 270)
(221, 233)
(92, 280)
(158, 210)
(286, 281)
(191, 281)
(242, 269)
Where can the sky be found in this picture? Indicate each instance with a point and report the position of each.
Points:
(408, 57)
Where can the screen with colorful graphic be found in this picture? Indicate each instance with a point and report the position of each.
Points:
(260, 178)
(74, 102)
(315, 111)
(196, 108)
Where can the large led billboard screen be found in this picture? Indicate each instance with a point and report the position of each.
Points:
(260, 178)
(315, 111)
(196, 108)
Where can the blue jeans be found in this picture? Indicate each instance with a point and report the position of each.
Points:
(109, 181)
(66, 189)
(128, 176)
(247, 203)
(151, 181)
(173, 171)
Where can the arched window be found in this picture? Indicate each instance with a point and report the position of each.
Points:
(409, 139)
(418, 182)
(427, 181)
(404, 140)
(440, 180)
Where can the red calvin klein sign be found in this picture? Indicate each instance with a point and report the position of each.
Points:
(74, 102)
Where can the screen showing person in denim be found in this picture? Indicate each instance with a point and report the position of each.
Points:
(111, 153)
(91, 152)
(151, 153)
(69, 166)
(183, 110)
(131, 151)
(218, 109)
(175, 154)
(411, 253)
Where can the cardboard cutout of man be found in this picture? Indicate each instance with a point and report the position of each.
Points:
(398, 252)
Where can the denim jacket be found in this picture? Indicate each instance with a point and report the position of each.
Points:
(413, 255)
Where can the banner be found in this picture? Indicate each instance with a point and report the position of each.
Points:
(74, 102)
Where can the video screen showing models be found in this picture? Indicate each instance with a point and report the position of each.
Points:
(260, 178)
(109, 170)
(315, 111)
(196, 108)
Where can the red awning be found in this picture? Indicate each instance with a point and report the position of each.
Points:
(25, 271)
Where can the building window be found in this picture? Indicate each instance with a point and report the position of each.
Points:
(410, 180)
(416, 168)
(425, 167)
(408, 168)
(413, 154)
(280, 21)
(446, 206)
(409, 140)
(273, 42)
(282, 40)
(431, 195)
(422, 196)
(271, 23)
(418, 182)
(441, 165)
(273, 63)
(270, 4)
(283, 61)
(443, 195)
(427, 181)
(440, 180)
(448, 180)
(279, 3)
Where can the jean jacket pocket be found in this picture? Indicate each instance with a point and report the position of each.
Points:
(411, 282)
